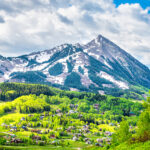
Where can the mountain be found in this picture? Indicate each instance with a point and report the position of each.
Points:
(98, 66)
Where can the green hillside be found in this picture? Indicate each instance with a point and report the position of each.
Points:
(42, 117)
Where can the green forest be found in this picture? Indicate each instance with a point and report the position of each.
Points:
(34, 116)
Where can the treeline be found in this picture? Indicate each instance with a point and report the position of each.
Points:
(26, 104)
(112, 107)
(10, 91)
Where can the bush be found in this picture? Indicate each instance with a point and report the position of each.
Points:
(122, 134)
(2, 141)
(41, 143)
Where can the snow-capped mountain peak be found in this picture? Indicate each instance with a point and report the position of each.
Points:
(99, 65)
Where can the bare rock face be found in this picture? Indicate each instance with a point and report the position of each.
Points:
(98, 66)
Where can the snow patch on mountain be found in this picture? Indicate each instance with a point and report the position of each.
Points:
(39, 67)
(57, 79)
(108, 77)
(43, 57)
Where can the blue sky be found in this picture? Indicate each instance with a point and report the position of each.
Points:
(143, 3)
(33, 25)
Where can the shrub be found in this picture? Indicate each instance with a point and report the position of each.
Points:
(2, 141)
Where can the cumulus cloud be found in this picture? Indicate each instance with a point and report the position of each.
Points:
(65, 19)
(29, 25)
(2, 19)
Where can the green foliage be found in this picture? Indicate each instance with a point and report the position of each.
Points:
(10, 91)
(143, 130)
(43, 138)
(70, 66)
(73, 80)
(57, 117)
(29, 76)
(122, 133)
(84, 107)
(143, 133)
(80, 69)
(2, 73)
(144, 123)
(27, 104)
(56, 70)
(2, 141)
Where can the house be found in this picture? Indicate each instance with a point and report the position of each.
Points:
(80, 115)
(86, 139)
(76, 106)
(36, 131)
(75, 138)
(132, 114)
(23, 119)
(96, 106)
(60, 114)
(88, 142)
(46, 114)
(100, 140)
(5, 125)
(111, 124)
(100, 129)
(52, 136)
(29, 125)
(72, 112)
(30, 115)
(70, 128)
(131, 127)
(14, 128)
(85, 128)
(13, 140)
(36, 137)
(108, 140)
(44, 131)
(58, 111)
(24, 127)
(41, 117)
(54, 142)
(107, 133)
(73, 106)
(97, 144)
(78, 134)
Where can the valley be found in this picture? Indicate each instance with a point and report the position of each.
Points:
(57, 119)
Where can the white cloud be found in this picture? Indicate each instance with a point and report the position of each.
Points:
(30, 25)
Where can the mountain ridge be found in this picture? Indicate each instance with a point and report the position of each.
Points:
(100, 66)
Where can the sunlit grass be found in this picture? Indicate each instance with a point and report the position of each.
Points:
(23, 133)
(14, 117)
(107, 127)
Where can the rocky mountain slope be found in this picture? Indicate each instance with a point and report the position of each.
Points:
(99, 66)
